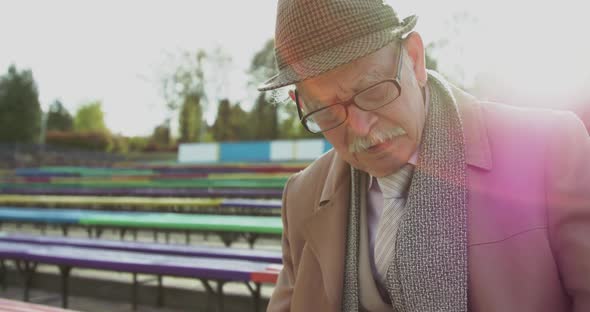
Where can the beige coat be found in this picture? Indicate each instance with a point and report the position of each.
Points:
(528, 216)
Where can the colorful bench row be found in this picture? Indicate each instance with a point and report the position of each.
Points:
(207, 269)
(190, 205)
(147, 192)
(228, 227)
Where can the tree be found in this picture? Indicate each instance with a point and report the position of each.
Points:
(20, 111)
(90, 118)
(241, 124)
(267, 109)
(183, 86)
(290, 127)
(263, 64)
(58, 118)
(191, 119)
(161, 135)
(221, 129)
(264, 119)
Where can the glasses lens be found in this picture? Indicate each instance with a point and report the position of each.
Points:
(378, 95)
(326, 119)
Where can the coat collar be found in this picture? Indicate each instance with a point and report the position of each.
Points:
(477, 146)
(325, 229)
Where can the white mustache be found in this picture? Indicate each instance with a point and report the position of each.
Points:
(375, 137)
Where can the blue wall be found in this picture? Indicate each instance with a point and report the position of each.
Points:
(244, 151)
(253, 151)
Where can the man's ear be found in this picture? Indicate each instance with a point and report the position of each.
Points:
(415, 48)
(292, 94)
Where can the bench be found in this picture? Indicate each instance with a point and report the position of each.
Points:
(228, 227)
(206, 269)
(163, 249)
(150, 192)
(158, 204)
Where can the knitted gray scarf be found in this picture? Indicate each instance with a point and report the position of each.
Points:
(429, 272)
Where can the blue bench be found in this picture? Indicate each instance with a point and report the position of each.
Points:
(151, 261)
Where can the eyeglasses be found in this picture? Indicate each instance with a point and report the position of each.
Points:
(368, 99)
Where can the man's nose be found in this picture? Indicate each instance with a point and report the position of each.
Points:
(360, 121)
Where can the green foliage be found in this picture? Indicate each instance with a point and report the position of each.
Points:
(95, 141)
(241, 124)
(263, 64)
(137, 144)
(222, 129)
(58, 118)
(20, 111)
(290, 126)
(161, 135)
(186, 78)
(118, 144)
(231, 124)
(90, 118)
(191, 119)
(264, 120)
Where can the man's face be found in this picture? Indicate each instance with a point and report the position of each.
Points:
(380, 141)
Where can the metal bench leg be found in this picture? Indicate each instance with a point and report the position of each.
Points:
(160, 300)
(27, 268)
(167, 235)
(211, 292)
(134, 292)
(220, 295)
(255, 291)
(64, 230)
(218, 292)
(122, 233)
(228, 238)
(155, 236)
(251, 238)
(188, 237)
(3, 274)
(135, 234)
(65, 275)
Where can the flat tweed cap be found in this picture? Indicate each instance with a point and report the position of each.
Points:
(315, 36)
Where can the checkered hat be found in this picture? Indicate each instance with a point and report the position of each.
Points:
(315, 36)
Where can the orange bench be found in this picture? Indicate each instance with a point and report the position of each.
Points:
(269, 275)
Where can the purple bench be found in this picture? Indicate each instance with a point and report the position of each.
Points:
(206, 269)
(156, 248)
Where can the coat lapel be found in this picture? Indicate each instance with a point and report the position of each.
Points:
(325, 229)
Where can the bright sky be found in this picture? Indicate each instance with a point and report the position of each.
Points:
(113, 50)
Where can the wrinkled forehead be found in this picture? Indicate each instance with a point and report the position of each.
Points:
(344, 81)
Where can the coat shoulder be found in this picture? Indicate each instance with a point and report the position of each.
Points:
(309, 182)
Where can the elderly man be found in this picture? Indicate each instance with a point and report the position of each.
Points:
(430, 199)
